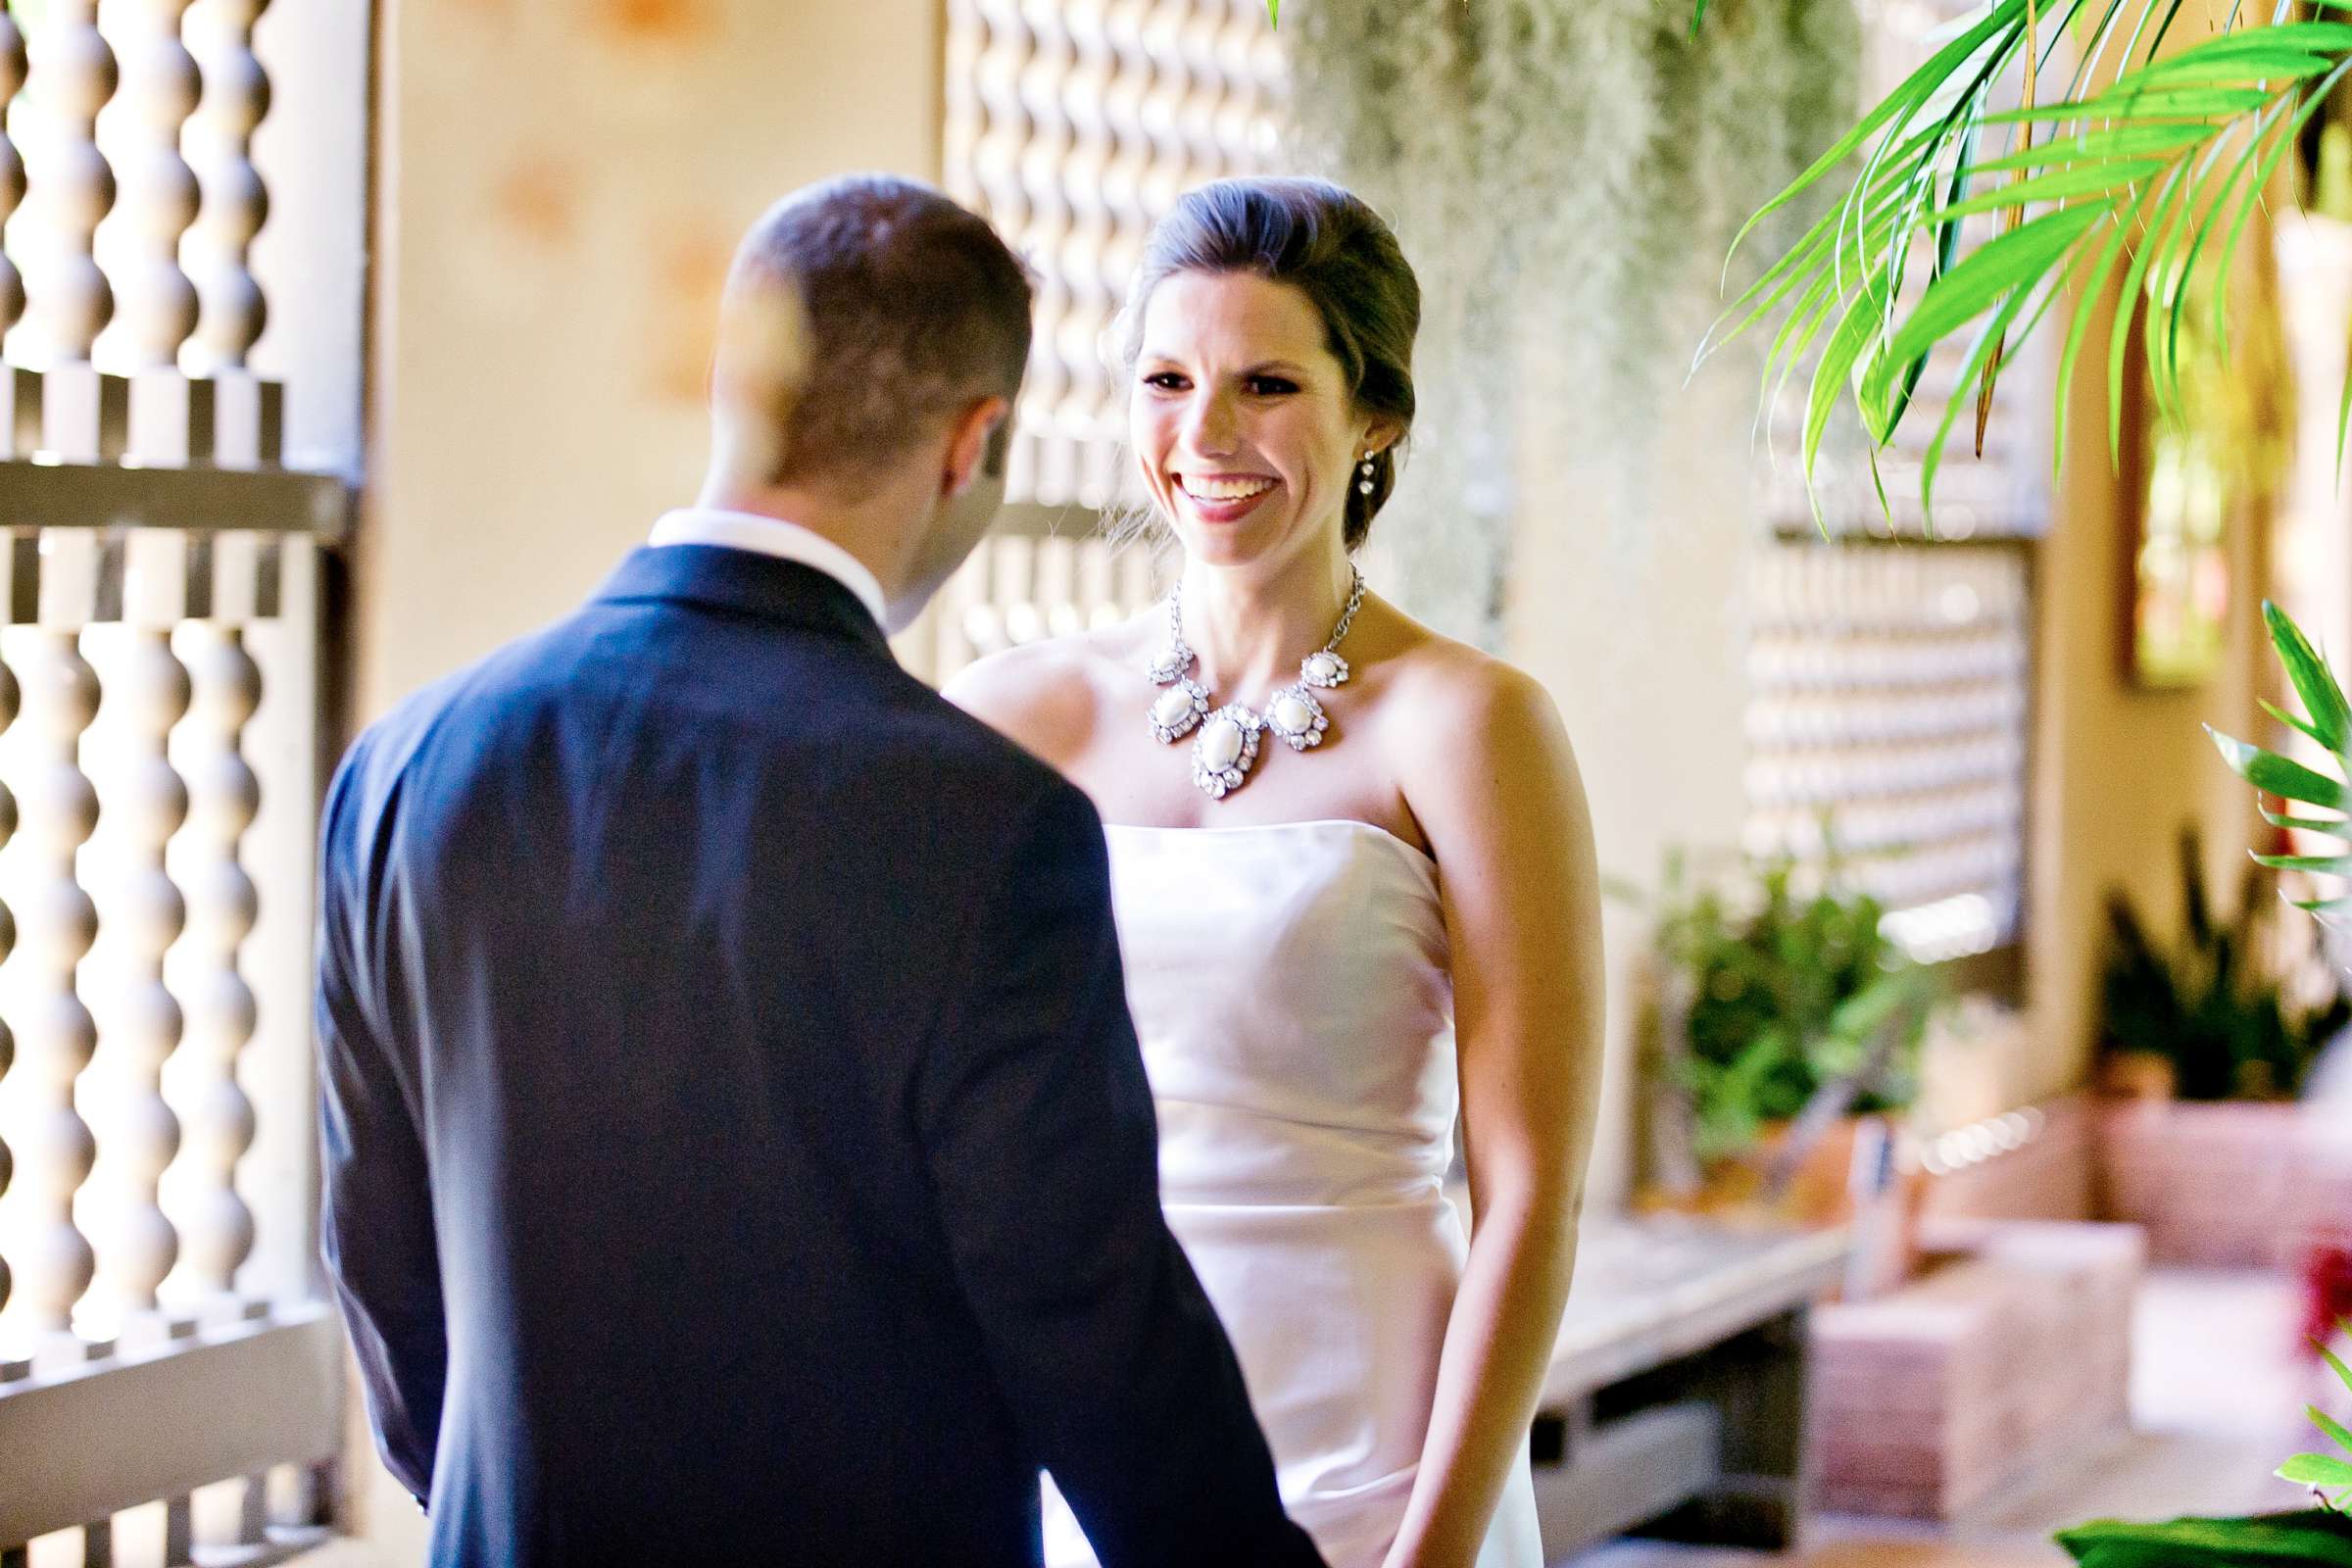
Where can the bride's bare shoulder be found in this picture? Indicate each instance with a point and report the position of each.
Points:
(1044, 693)
(1464, 708)
(1425, 667)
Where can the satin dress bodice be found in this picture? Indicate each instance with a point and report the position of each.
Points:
(1292, 995)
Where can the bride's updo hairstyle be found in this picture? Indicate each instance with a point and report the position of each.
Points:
(1333, 249)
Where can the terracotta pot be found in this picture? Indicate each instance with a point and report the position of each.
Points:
(2135, 1075)
(1817, 1190)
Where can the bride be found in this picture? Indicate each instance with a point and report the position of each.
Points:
(1354, 884)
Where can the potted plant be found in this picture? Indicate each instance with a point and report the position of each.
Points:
(2210, 1163)
(2211, 1017)
(1781, 1016)
(2216, 1175)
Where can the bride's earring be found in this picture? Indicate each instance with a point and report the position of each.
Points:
(1364, 486)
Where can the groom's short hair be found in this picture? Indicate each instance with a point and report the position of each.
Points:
(909, 308)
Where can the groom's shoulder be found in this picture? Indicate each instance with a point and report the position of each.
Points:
(488, 681)
(458, 715)
(931, 745)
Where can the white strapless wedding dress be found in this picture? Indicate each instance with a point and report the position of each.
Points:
(1292, 993)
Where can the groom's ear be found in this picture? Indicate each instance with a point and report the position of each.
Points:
(976, 446)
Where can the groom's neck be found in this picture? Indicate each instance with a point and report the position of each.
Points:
(872, 531)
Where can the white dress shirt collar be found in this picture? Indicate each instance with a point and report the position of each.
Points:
(772, 536)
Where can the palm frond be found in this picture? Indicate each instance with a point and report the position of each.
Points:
(2328, 722)
(2144, 184)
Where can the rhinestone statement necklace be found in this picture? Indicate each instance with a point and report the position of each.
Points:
(1226, 747)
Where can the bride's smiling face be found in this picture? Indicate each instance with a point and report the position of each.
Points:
(1241, 419)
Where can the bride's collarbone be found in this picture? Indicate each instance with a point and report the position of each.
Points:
(1153, 788)
(1347, 775)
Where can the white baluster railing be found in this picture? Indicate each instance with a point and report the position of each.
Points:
(69, 188)
(138, 244)
(216, 1222)
(12, 167)
(158, 1323)
(113, 1395)
(218, 143)
(1073, 125)
(10, 698)
(53, 1258)
(142, 803)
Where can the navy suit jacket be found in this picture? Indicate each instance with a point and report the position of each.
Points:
(736, 1144)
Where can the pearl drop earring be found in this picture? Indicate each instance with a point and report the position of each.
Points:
(1364, 486)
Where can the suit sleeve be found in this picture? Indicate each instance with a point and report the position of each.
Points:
(1042, 1148)
(376, 1219)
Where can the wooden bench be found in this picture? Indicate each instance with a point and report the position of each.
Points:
(1675, 1404)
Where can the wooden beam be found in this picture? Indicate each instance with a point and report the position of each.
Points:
(40, 494)
(86, 1442)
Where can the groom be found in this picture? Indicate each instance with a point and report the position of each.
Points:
(736, 1146)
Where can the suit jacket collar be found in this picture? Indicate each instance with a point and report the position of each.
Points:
(744, 582)
(771, 536)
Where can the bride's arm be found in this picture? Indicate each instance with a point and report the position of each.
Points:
(1504, 811)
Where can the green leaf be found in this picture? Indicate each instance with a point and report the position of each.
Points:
(1817, 258)
(2091, 54)
(2323, 699)
(2268, 770)
(1896, 107)
(2065, 182)
(2088, 290)
(2344, 421)
(1698, 13)
(2016, 259)
(2287, 718)
(1274, 13)
(2119, 141)
(2170, 278)
(1823, 248)
(2315, 1470)
(1796, 334)
(2126, 305)
(2312, 1538)
(1836, 360)
(2139, 28)
(1895, 402)
(2285, 64)
(2144, 106)
(1987, 338)
(2317, 98)
(2165, 113)
(2311, 37)
(2237, 229)
(2324, 906)
(2336, 1365)
(2322, 864)
(2252, 52)
(2335, 828)
(2329, 1424)
(2182, 274)
(2327, 37)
